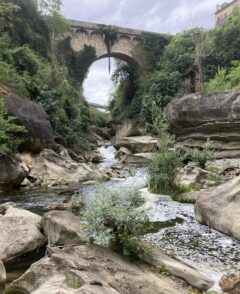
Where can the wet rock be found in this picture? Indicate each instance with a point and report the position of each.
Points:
(139, 158)
(230, 283)
(3, 278)
(179, 269)
(196, 117)
(12, 172)
(67, 204)
(139, 144)
(51, 169)
(91, 269)
(62, 228)
(123, 152)
(34, 118)
(219, 208)
(20, 232)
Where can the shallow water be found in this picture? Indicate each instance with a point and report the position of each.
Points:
(176, 230)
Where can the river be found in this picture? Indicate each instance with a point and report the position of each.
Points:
(178, 233)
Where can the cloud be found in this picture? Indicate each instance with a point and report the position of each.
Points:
(163, 16)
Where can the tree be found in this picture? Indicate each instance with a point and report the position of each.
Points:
(56, 22)
(9, 130)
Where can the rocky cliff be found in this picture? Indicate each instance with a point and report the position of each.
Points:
(196, 117)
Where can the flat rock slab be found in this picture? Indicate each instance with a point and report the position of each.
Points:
(179, 269)
(20, 232)
(91, 269)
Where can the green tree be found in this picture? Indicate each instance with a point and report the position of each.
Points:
(9, 131)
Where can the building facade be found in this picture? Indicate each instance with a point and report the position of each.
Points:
(224, 10)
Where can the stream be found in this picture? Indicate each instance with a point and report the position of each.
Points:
(178, 233)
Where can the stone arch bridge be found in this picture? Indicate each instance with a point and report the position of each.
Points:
(91, 34)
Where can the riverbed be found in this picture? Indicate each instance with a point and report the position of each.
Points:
(178, 234)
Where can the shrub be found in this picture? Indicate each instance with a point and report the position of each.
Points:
(163, 168)
(201, 156)
(162, 172)
(117, 216)
(98, 117)
(9, 141)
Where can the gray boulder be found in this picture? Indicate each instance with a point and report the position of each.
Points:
(63, 228)
(219, 208)
(12, 171)
(52, 169)
(34, 118)
(126, 129)
(20, 232)
(3, 278)
(196, 117)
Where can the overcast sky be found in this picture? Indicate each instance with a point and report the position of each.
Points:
(163, 16)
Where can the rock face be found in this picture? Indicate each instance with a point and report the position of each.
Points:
(140, 144)
(62, 228)
(91, 269)
(34, 118)
(2, 278)
(230, 283)
(51, 169)
(20, 232)
(196, 117)
(219, 208)
(127, 128)
(12, 172)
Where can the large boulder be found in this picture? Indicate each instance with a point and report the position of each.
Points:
(219, 208)
(20, 232)
(91, 269)
(3, 278)
(34, 118)
(12, 171)
(196, 117)
(51, 169)
(63, 228)
(126, 129)
(140, 144)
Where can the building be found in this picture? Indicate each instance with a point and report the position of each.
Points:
(224, 10)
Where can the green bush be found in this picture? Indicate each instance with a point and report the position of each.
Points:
(99, 118)
(118, 217)
(163, 168)
(201, 156)
(9, 141)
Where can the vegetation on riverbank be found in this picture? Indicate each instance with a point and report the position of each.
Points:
(29, 65)
(192, 61)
